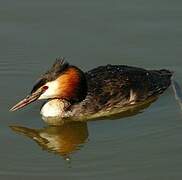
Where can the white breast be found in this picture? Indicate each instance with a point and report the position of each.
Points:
(53, 108)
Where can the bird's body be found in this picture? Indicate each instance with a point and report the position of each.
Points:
(111, 89)
(104, 90)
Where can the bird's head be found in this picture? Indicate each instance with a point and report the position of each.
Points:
(62, 81)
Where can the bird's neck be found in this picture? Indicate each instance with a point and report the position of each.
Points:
(73, 85)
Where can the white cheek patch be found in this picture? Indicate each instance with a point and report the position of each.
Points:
(51, 91)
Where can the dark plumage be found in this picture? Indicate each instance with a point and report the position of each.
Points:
(116, 86)
(53, 73)
(112, 80)
(103, 91)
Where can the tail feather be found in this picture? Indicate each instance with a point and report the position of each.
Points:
(166, 72)
(161, 80)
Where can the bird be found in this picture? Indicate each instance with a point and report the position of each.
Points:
(100, 92)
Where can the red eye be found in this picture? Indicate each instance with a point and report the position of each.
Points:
(45, 87)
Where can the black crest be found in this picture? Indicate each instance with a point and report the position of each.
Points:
(59, 66)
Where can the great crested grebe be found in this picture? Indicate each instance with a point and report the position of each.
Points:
(102, 91)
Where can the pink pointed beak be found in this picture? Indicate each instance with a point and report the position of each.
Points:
(29, 99)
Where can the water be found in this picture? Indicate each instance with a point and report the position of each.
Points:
(89, 33)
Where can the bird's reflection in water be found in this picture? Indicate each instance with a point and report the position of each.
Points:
(62, 140)
(69, 137)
